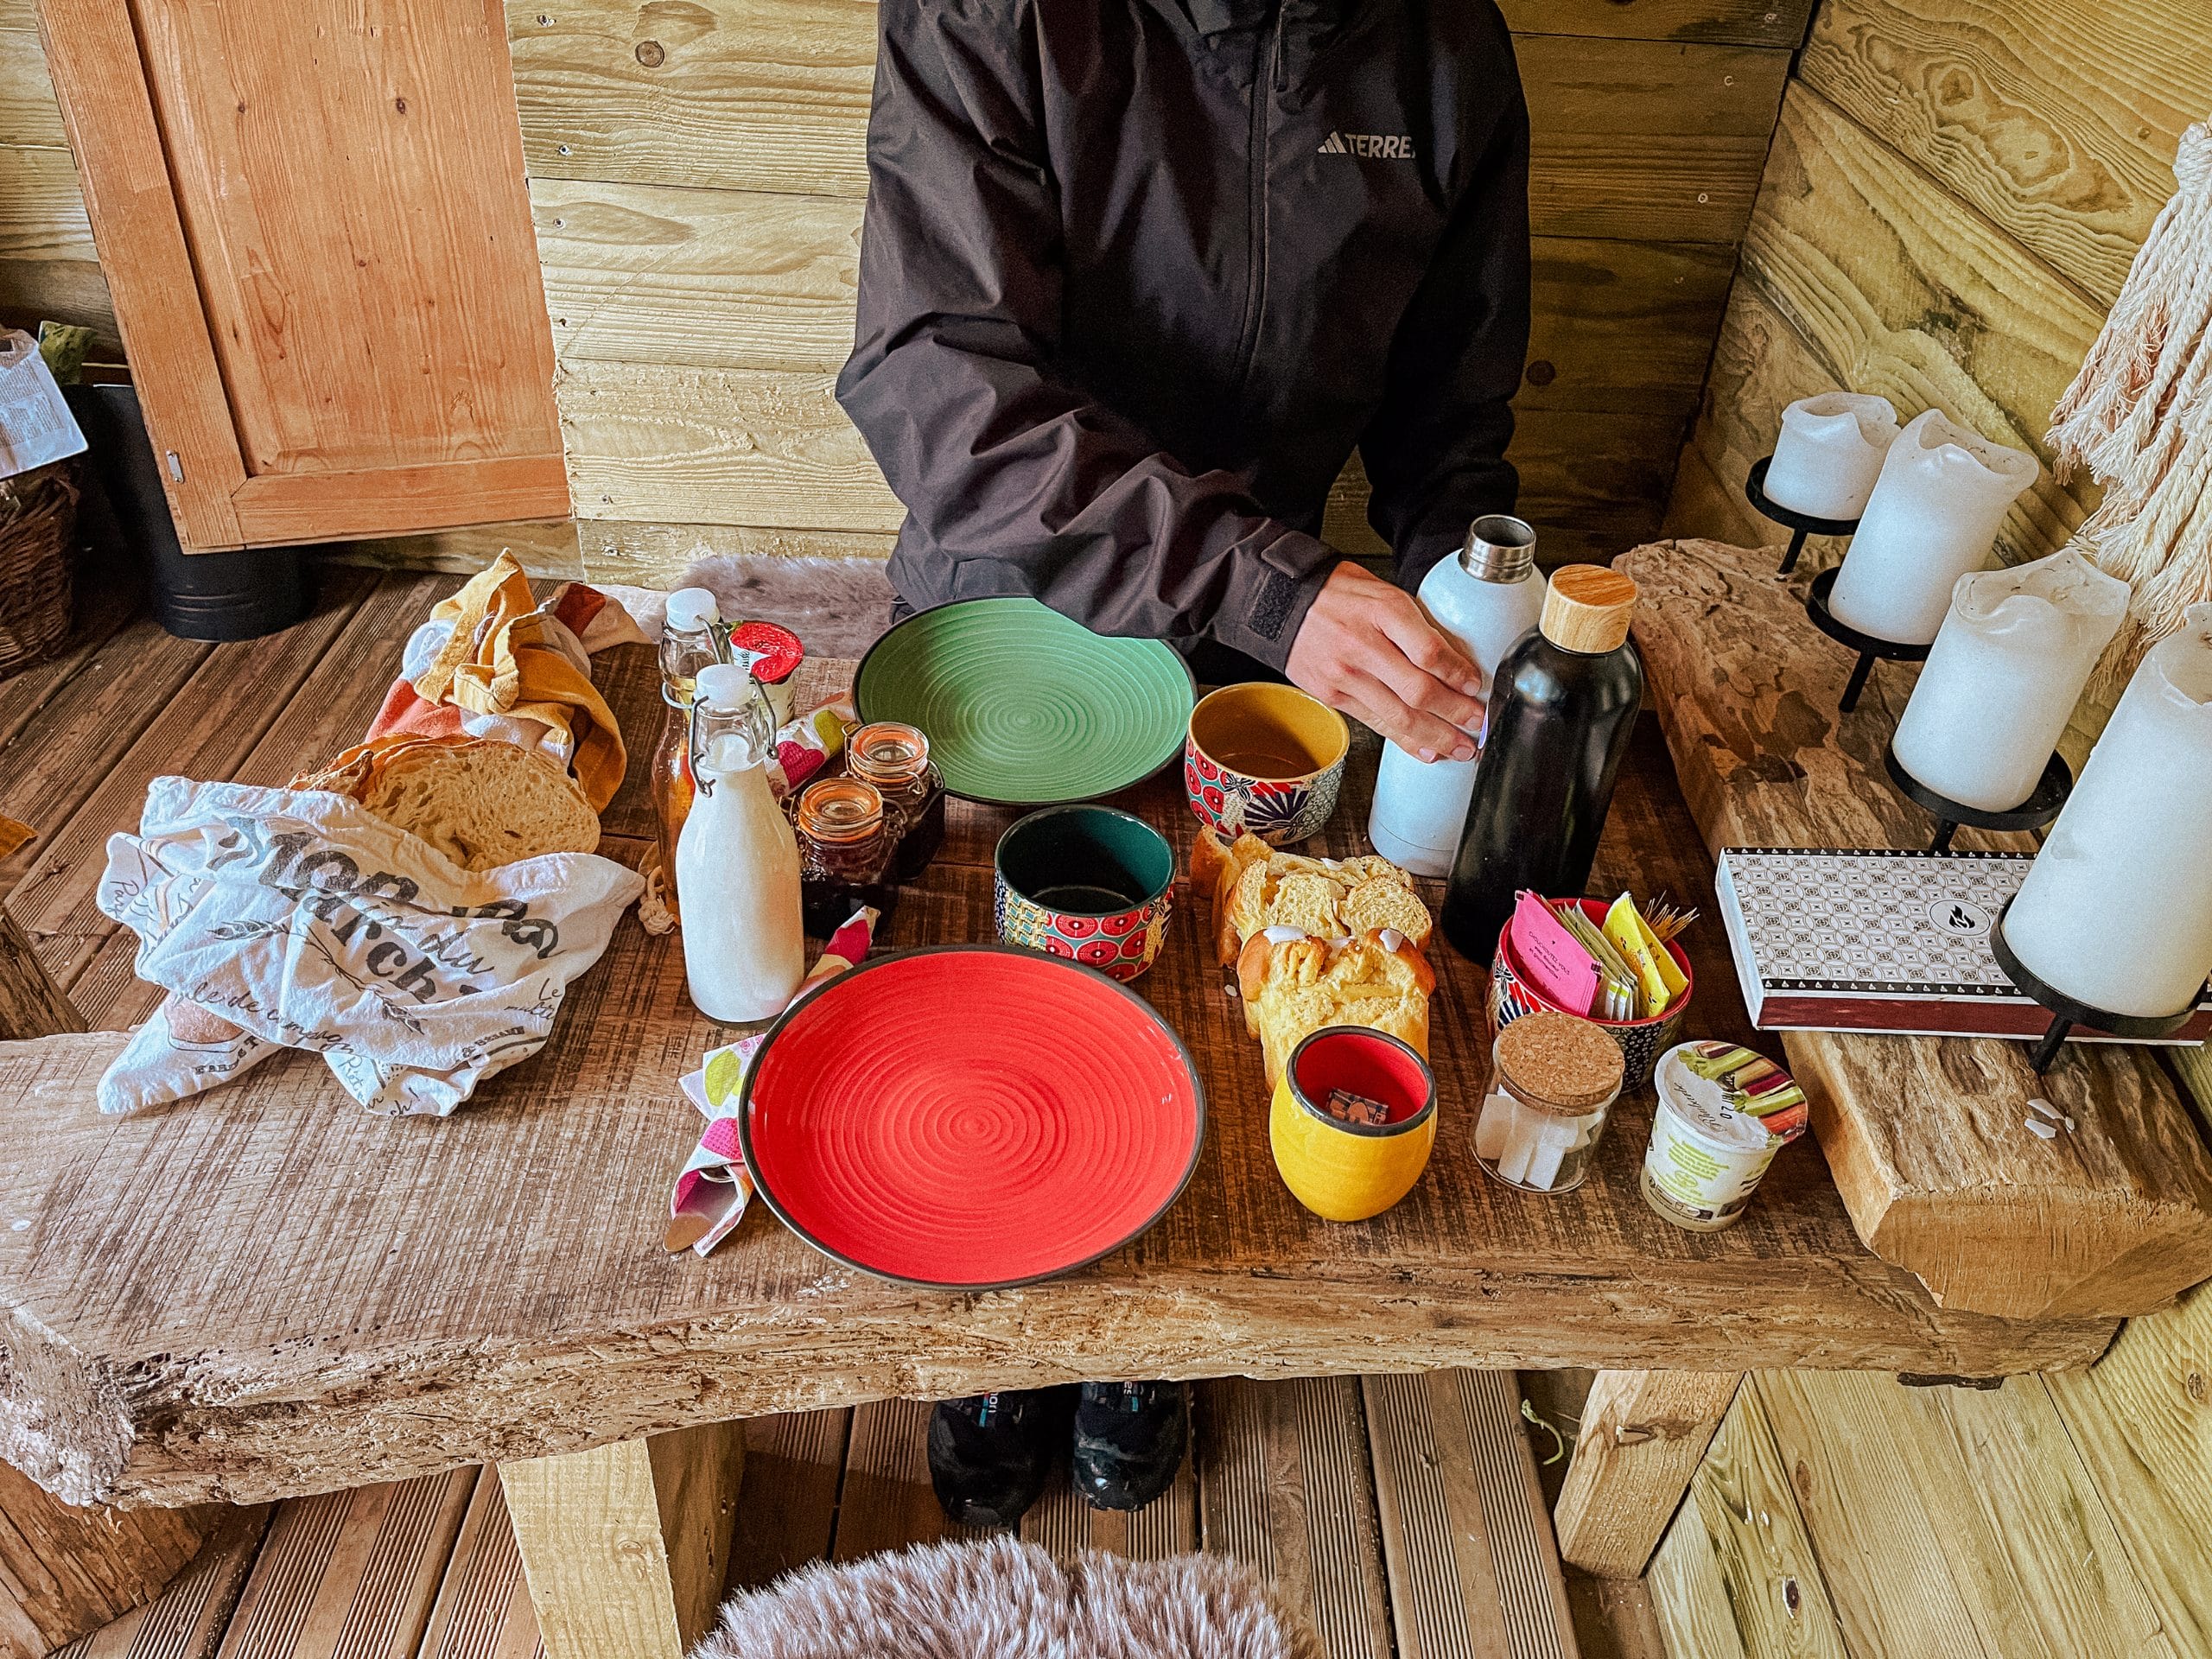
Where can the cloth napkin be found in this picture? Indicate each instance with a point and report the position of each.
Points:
(712, 1187)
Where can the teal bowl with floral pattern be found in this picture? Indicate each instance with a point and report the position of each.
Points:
(1093, 884)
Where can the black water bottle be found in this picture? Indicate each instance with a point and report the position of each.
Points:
(1562, 708)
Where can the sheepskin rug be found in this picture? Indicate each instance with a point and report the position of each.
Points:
(1000, 1599)
(836, 606)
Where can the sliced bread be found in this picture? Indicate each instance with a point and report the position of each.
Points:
(1293, 988)
(481, 801)
(1255, 888)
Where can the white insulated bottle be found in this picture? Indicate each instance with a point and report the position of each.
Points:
(1484, 597)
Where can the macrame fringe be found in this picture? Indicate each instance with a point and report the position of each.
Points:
(2139, 416)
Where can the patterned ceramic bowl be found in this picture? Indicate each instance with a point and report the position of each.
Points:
(1642, 1041)
(1090, 883)
(1265, 758)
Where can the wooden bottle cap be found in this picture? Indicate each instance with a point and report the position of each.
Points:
(1587, 608)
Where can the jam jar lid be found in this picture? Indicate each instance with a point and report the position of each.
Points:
(888, 751)
(840, 810)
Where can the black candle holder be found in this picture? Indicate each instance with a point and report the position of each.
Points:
(1870, 649)
(2039, 809)
(1799, 524)
(2068, 1012)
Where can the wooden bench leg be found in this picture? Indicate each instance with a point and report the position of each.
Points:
(626, 1547)
(1643, 1435)
(64, 1571)
(31, 1004)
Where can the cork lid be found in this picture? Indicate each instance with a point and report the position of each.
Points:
(1554, 1061)
(1587, 608)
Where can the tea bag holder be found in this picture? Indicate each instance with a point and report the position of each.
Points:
(2068, 1012)
(1799, 524)
(2039, 809)
(1870, 648)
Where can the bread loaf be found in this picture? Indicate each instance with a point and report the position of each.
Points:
(1255, 888)
(1293, 988)
(480, 801)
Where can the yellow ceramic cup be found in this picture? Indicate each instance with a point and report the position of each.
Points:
(1349, 1170)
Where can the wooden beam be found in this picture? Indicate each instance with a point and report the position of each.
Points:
(187, 1620)
(1643, 1434)
(626, 1547)
(1923, 1135)
(31, 1003)
(66, 1571)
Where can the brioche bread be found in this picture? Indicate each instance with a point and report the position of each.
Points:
(481, 801)
(1254, 888)
(1293, 988)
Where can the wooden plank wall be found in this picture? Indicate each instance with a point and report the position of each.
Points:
(1955, 191)
(697, 173)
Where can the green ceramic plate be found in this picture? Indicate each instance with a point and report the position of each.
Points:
(1024, 708)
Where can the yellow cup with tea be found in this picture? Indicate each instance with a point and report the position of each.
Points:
(1352, 1122)
(1265, 758)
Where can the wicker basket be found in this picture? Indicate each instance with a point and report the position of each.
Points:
(38, 516)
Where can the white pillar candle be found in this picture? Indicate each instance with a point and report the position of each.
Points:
(2117, 909)
(2003, 679)
(1935, 512)
(1829, 453)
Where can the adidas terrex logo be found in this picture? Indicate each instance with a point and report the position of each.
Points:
(1391, 146)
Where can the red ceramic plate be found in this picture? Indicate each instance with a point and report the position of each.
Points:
(966, 1117)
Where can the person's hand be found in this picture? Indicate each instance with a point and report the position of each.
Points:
(1368, 650)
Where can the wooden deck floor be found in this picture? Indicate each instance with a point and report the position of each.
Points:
(1403, 1515)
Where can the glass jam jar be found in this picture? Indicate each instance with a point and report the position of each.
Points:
(1553, 1079)
(844, 846)
(895, 759)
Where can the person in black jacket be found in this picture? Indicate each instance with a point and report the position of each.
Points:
(1136, 277)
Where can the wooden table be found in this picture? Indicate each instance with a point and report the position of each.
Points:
(268, 1292)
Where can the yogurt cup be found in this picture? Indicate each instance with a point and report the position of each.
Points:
(1707, 1155)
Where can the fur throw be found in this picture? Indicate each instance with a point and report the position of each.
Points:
(836, 606)
(1000, 1599)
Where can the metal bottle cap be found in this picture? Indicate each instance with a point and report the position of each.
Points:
(1498, 548)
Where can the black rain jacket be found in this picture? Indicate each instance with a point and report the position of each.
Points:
(1136, 276)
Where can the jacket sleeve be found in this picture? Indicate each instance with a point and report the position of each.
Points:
(1023, 482)
(1435, 451)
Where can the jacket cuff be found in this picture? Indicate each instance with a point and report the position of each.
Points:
(1269, 595)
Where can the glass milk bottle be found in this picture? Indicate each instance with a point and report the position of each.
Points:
(1484, 598)
(737, 862)
(687, 644)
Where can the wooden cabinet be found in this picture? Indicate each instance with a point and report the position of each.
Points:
(314, 220)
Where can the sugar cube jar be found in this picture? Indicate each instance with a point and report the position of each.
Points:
(1553, 1079)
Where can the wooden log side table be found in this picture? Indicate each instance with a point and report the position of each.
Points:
(1925, 1135)
(268, 1292)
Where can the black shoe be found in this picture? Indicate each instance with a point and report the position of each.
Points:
(1129, 1439)
(990, 1453)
